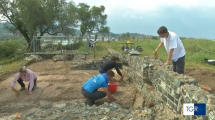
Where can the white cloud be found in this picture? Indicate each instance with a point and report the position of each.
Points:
(138, 6)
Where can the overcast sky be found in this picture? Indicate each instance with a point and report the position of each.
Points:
(188, 18)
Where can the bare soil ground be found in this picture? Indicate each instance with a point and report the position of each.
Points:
(204, 77)
(56, 82)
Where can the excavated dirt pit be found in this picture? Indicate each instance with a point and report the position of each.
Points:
(56, 82)
(58, 97)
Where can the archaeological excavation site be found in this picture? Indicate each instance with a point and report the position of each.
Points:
(149, 91)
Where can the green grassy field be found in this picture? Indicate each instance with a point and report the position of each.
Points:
(12, 66)
(196, 50)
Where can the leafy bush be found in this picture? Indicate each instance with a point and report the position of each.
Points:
(10, 51)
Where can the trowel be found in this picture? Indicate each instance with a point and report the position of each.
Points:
(155, 54)
(15, 91)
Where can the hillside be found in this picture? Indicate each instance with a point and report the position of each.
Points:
(2, 29)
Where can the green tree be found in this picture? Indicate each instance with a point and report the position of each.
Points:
(125, 35)
(83, 11)
(99, 19)
(69, 19)
(37, 17)
(91, 19)
(105, 31)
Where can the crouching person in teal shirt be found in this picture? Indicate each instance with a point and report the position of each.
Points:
(90, 88)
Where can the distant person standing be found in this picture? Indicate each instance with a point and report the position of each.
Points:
(174, 49)
(110, 64)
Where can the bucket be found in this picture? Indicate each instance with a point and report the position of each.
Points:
(112, 87)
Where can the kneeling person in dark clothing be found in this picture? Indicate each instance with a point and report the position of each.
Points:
(90, 88)
(110, 64)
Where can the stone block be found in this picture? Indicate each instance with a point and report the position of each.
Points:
(183, 91)
(158, 80)
(159, 88)
(176, 102)
(175, 108)
(59, 104)
(187, 100)
(163, 85)
(177, 82)
(168, 82)
(157, 75)
(194, 117)
(161, 72)
(190, 93)
(179, 109)
(188, 118)
(152, 79)
(170, 79)
(177, 96)
(182, 101)
(164, 98)
(193, 101)
(168, 89)
(206, 118)
(173, 92)
(151, 65)
(163, 78)
(166, 75)
(196, 97)
(170, 104)
(171, 98)
(204, 99)
(175, 88)
(211, 115)
(165, 93)
(193, 82)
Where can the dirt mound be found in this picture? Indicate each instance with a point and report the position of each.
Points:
(203, 76)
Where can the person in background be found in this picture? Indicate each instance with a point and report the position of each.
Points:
(110, 64)
(27, 76)
(90, 88)
(174, 49)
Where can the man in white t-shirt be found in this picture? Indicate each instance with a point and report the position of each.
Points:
(174, 48)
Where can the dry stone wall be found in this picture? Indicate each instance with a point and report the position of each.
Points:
(173, 89)
(86, 65)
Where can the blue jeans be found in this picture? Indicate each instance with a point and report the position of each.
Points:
(101, 71)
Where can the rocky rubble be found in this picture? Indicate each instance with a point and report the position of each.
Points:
(106, 111)
(79, 111)
(33, 57)
(149, 102)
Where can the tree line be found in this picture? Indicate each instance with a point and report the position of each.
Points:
(39, 17)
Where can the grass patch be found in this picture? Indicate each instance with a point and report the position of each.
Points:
(196, 50)
(12, 67)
